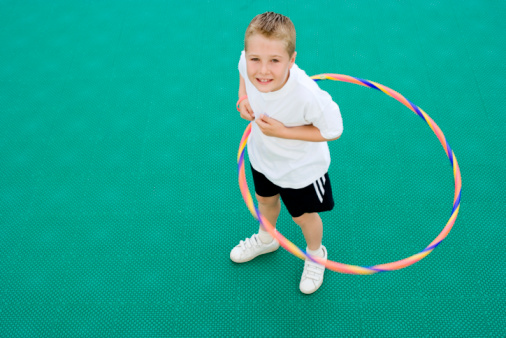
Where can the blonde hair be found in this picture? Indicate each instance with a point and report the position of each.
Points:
(273, 26)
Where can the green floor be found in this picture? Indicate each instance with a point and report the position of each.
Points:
(119, 201)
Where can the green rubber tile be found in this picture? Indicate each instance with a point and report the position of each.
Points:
(119, 201)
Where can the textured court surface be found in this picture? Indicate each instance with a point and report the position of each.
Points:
(119, 201)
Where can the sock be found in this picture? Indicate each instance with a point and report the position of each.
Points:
(264, 236)
(318, 252)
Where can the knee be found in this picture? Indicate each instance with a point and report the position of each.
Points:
(272, 201)
(305, 219)
(300, 220)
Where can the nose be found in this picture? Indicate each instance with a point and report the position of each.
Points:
(264, 69)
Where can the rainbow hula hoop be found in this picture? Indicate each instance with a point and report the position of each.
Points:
(347, 268)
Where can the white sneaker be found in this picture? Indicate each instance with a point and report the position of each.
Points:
(250, 248)
(312, 277)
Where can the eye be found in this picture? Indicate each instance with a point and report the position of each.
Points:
(254, 59)
(275, 60)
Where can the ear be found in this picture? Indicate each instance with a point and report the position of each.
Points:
(292, 59)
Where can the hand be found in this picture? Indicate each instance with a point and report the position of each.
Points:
(270, 126)
(246, 111)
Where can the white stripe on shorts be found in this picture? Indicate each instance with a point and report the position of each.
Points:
(319, 188)
(318, 192)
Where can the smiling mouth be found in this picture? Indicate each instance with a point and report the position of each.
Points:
(264, 81)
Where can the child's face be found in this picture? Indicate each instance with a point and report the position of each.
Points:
(268, 63)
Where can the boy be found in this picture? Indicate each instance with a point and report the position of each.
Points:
(287, 147)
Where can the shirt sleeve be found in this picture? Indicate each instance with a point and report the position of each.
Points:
(242, 65)
(326, 116)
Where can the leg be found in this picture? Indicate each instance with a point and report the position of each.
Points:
(262, 242)
(269, 207)
(312, 228)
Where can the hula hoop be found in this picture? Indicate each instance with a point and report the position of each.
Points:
(347, 268)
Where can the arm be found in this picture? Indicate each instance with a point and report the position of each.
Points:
(272, 127)
(244, 106)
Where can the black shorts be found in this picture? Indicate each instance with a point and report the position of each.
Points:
(316, 197)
